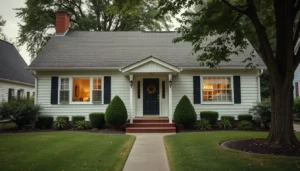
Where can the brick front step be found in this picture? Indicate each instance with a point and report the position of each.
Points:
(142, 120)
(151, 130)
(151, 125)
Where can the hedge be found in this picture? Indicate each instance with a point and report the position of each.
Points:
(66, 118)
(245, 117)
(44, 122)
(230, 118)
(77, 118)
(212, 116)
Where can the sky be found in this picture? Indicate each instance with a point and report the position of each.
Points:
(11, 27)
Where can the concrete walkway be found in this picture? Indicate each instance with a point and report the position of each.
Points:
(297, 128)
(148, 154)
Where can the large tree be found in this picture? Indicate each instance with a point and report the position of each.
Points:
(276, 26)
(90, 15)
(2, 24)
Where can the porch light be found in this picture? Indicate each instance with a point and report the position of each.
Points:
(131, 80)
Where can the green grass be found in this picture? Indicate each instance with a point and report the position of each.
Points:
(201, 151)
(297, 122)
(68, 151)
(8, 125)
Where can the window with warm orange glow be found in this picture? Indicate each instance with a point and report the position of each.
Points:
(216, 89)
(81, 90)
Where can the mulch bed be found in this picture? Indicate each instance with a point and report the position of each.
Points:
(261, 147)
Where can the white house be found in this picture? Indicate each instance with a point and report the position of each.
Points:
(79, 72)
(15, 80)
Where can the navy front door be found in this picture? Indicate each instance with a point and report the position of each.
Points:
(151, 96)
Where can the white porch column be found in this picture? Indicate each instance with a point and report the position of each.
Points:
(131, 98)
(170, 99)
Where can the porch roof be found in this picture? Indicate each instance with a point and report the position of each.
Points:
(150, 64)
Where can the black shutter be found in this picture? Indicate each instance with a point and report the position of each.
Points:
(54, 90)
(139, 89)
(237, 89)
(197, 89)
(10, 94)
(107, 89)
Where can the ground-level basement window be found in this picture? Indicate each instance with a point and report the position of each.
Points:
(216, 89)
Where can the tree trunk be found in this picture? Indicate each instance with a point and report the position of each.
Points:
(282, 129)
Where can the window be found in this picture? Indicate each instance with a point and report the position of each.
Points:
(81, 90)
(216, 89)
(20, 94)
(97, 90)
(11, 94)
(64, 90)
(33, 94)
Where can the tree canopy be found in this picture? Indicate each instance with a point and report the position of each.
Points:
(89, 15)
(2, 24)
(272, 27)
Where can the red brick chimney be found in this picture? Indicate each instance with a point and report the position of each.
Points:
(62, 22)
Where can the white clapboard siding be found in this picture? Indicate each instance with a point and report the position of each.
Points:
(5, 85)
(183, 85)
(119, 86)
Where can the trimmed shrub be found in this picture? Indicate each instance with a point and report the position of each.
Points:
(212, 116)
(80, 125)
(245, 125)
(60, 123)
(203, 124)
(184, 113)
(116, 112)
(245, 117)
(225, 124)
(263, 110)
(229, 118)
(45, 122)
(77, 118)
(66, 118)
(297, 107)
(20, 111)
(97, 120)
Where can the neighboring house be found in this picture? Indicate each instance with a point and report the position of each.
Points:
(79, 72)
(15, 80)
(296, 82)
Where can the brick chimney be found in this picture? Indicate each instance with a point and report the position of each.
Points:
(62, 22)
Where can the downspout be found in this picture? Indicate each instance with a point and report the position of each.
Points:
(259, 73)
(35, 86)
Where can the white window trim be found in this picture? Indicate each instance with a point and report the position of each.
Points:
(217, 103)
(71, 88)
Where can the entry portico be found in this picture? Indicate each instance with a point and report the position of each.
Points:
(150, 87)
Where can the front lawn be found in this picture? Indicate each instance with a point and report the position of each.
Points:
(67, 151)
(201, 151)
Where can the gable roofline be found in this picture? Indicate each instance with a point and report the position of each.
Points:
(147, 60)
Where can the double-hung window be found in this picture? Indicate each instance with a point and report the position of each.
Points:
(97, 90)
(64, 90)
(217, 89)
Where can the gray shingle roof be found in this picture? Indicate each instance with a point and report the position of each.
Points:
(118, 49)
(12, 65)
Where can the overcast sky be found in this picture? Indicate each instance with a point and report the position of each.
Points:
(11, 27)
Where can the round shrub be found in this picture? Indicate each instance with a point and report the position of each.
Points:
(116, 112)
(229, 118)
(245, 117)
(212, 116)
(184, 113)
(97, 119)
(263, 110)
(45, 122)
(245, 125)
(77, 118)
